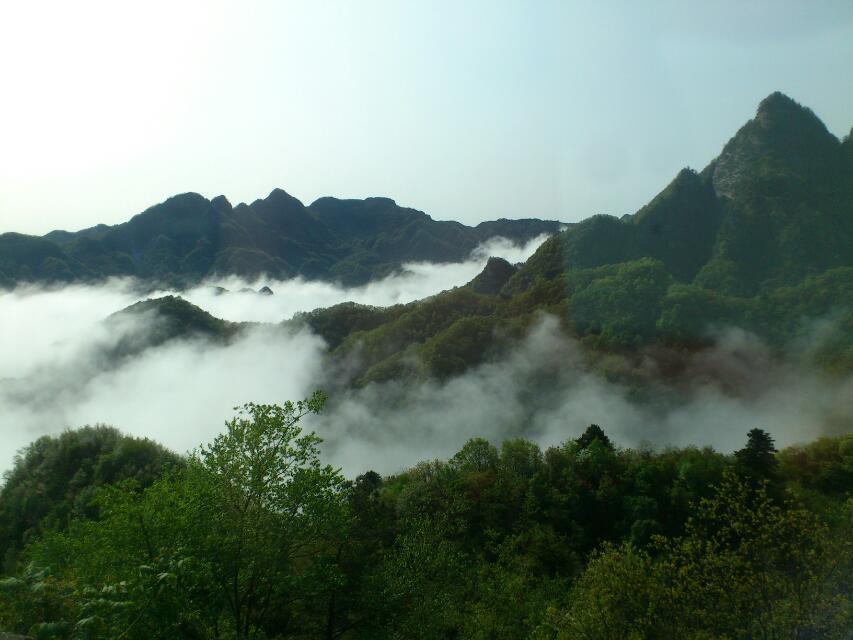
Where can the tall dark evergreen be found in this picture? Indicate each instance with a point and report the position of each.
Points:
(758, 458)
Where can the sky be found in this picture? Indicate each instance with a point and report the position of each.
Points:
(468, 110)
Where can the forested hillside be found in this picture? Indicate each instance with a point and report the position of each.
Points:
(760, 240)
(254, 537)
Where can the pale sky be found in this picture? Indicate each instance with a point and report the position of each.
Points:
(467, 110)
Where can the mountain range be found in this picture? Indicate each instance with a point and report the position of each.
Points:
(760, 239)
(188, 238)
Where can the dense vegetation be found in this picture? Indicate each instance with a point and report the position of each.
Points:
(187, 238)
(56, 479)
(253, 537)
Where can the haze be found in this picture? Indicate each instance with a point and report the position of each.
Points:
(468, 110)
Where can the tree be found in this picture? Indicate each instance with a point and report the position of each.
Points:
(593, 432)
(57, 478)
(617, 597)
(757, 459)
(750, 567)
(746, 567)
(236, 543)
(274, 506)
(478, 454)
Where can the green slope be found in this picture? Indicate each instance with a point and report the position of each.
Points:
(761, 239)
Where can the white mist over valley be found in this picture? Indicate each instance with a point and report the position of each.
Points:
(180, 393)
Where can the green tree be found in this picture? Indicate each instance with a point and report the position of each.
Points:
(749, 567)
(746, 567)
(757, 459)
(593, 432)
(274, 507)
(478, 454)
(234, 545)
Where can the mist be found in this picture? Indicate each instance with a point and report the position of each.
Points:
(52, 374)
(542, 390)
(415, 281)
(53, 377)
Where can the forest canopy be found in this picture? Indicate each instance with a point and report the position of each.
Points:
(252, 536)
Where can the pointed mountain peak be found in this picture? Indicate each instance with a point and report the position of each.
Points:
(280, 195)
(779, 111)
(783, 139)
(493, 277)
(778, 101)
(278, 200)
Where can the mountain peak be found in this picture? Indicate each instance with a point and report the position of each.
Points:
(783, 139)
(493, 277)
(221, 203)
(779, 111)
(280, 195)
(777, 101)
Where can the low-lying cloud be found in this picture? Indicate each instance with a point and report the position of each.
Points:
(180, 393)
(543, 390)
(415, 281)
(52, 375)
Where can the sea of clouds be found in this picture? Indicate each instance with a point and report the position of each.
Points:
(53, 377)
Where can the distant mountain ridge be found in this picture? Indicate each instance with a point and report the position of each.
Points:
(188, 237)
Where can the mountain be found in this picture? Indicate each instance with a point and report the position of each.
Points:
(760, 239)
(774, 207)
(187, 238)
(150, 323)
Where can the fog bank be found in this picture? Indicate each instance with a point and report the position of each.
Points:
(53, 376)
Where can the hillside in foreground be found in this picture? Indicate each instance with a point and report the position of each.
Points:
(253, 537)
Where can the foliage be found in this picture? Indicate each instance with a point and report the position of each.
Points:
(746, 567)
(255, 538)
(56, 479)
(232, 544)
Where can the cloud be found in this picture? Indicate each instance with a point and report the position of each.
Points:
(53, 376)
(415, 281)
(544, 390)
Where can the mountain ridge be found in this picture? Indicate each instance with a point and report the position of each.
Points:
(187, 238)
(774, 207)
